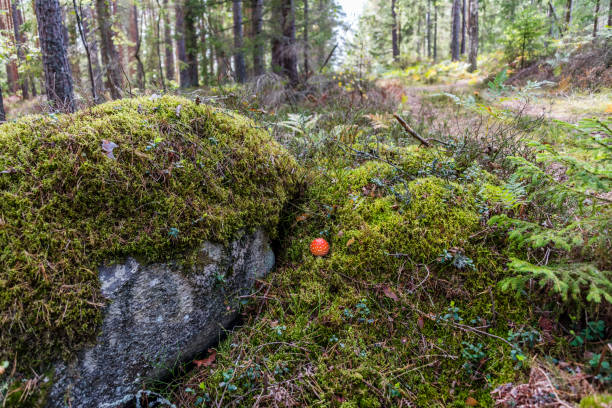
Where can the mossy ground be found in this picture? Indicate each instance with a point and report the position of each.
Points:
(381, 321)
(181, 174)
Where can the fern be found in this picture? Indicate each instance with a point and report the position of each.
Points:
(570, 280)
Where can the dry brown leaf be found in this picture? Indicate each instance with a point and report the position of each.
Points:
(389, 293)
(471, 402)
(421, 322)
(350, 242)
(207, 362)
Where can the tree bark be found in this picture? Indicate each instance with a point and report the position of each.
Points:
(92, 80)
(306, 44)
(19, 43)
(284, 57)
(168, 48)
(473, 34)
(455, 30)
(610, 14)
(239, 65)
(2, 113)
(110, 56)
(189, 48)
(180, 43)
(394, 34)
(463, 24)
(6, 24)
(568, 13)
(435, 35)
(258, 49)
(428, 26)
(58, 78)
(87, 19)
(596, 21)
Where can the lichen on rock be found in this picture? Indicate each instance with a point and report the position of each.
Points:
(150, 178)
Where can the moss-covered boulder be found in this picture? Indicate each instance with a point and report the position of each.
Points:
(153, 178)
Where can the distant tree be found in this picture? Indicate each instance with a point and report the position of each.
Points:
(257, 28)
(239, 65)
(394, 32)
(19, 43)
(284, 56)
(455, 30)
(568, 13)
(2, 113)
(464, 13)
(58, 78)
(110, 55)
(306, 44)
(134, 49)
(596, 19)
(473, 34)
(168, 48)
(187, 42)
(92, 40)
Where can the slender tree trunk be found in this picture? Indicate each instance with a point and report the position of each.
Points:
(435, 37)
(596, 21)
(239, 65)
(110, 56)
(92, 81)
(19, 43)
(180, 43)
(306, 44)
(568, 13)
(258, 49)
(204, 49)
(54, 56)
(191, 44)
(168, 48)
(463, 24)
(289, 54)
(158, 41)
(87, 19)
(133, 38)
(428, 24)
(610, 14)
(394, 36)
(456, 30)
(473, 34)
(74, 56)
(2, 113)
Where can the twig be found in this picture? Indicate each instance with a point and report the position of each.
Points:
(410, 131)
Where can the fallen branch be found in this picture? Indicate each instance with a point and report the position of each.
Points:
(410, 131)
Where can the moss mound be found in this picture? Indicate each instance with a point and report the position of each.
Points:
(180, 174)
(387, 318)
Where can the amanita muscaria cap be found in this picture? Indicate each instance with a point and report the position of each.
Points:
(319, 247)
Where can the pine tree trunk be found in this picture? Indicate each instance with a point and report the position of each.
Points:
(394, 37)
(568, 13)
(596, 21)
(239, 65)
(455, 30)
(203, 50)
(19, 43)
(463, 25)
(79, 20)
(191, 44)
(54, 56)
(288, 47)
(306, 44)
(435, 34)
(87, 19)
(168, 48)
(2, 113)
(428, 24)
(258, 49)
(180, 43)
(110, 56)
(473, 34)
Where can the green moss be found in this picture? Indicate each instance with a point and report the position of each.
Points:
(182, 174)
(596, 401)
(365, 326)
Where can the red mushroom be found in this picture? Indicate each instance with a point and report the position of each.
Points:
(319, 247)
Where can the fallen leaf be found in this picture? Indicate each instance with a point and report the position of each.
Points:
(421, 322)
(207, 362)
(350, 242)
(302, 217)
(389, 293)
(609, 108)
(471, 402)
(108, 147)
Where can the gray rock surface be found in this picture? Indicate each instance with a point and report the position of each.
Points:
(158, 316)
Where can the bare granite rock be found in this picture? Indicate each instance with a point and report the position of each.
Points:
(158, 316)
